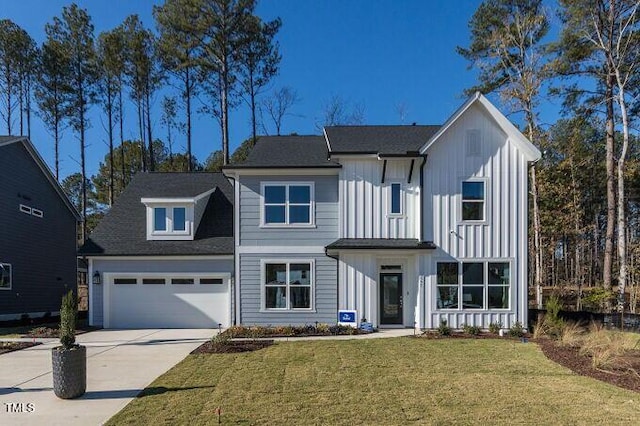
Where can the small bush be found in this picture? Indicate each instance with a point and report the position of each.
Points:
(517, 330)
(68, 316)
(471, 329)
(495, 327)
(443, 328)
(540, 329)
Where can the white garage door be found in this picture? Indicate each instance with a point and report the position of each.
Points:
(166, 301)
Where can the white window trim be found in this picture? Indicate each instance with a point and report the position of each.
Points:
(485, 284)
(263, 295)
(487, 200)
(10, 276)
(286, 224)
(36, 212)
(170, 234)
(402, 199)
(25, 209)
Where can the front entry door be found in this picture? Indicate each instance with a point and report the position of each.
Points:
(391, 298)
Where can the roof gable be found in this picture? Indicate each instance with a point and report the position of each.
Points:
(8, 140)
(503, 122)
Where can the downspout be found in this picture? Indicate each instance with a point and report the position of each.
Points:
(424, 161)
(236, 293)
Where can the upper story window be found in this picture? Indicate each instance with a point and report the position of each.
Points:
(287, 204)
(473, 200)
(5, 276)
(395, 199)
(170, 220)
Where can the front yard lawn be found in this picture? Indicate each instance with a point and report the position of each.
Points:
(380, 381)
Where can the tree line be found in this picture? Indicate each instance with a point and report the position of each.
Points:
(584, 207)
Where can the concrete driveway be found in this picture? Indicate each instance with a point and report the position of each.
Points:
(120, 363)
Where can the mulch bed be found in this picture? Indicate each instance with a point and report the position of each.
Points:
(15, 346)
(570, 357)
(232, 346)
(458, 335)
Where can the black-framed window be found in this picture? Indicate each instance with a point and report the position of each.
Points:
(473, 200)
(395, 199)
(479, 285)
(287, 285)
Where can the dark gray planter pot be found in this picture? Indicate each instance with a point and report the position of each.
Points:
(69, 371)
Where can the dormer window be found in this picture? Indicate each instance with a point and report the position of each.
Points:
(171, 219)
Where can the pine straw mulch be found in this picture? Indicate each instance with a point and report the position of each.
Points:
(15, 346)
(231, 346)
(626, 376)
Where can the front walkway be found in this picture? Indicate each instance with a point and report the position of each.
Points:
(120, 364)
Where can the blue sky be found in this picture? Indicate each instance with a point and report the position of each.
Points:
(378, 54)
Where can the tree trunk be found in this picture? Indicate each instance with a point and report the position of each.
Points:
(225, 112)
(611, 195)
(622, 225)
(152, 160)
(187, 91)
(83, 162)
(252, 94)
(111, 165)
(122, 156)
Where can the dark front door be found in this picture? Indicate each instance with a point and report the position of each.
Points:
(391, 298)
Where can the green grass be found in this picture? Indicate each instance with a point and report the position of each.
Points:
(380, 381)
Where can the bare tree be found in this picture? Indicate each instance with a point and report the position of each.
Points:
(337, 111)
(277, 106)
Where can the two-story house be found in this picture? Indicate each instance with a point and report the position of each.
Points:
(406, 225)
(37, 234)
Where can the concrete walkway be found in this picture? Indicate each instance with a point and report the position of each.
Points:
(120, 363)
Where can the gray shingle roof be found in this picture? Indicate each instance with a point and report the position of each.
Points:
(123, 232)
(381, 140)
(381, 243)
(288, 152)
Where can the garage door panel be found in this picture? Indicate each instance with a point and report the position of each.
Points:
(168, 305)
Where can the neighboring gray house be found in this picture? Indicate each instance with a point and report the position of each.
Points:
(37, 235)
(163, 255)
(405, 225)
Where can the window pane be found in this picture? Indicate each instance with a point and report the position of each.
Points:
(274, 214)
(179, 219)
(473, 190)
(300, 297)
(447, 273)
(498, 297)
(472, 297)
(125, 281)
(300, 274)
(499, 273)
(182, 281)
(153, 281)
(159, 219)
(5, 275)
(472, 211)
(211, 281)
(395, 198)
(299, 194)
(299, 214)
(276, 297)
(473, 273)
(274, 194)
(276, 273)
(447, 297)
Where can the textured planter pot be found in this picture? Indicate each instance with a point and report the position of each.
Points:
(69, 371)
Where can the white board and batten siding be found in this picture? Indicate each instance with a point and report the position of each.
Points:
(365, 200)
(502, 236)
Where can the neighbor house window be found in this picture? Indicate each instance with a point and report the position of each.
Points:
(287, 285)
(287, 204)
(473, 200)
(5, 276)
(473, 285)
(395, 198)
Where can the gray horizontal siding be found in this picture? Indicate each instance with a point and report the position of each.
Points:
(325, 292)
(152, 266)
(326, 214)
(41, 250)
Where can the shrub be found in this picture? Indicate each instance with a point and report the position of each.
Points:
(495, 327)
(555, 323)
(517, 330)
(443, 328)
(541, 328)
(68, 316)
(597, 298)
(471, 329)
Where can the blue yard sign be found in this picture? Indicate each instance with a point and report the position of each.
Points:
(348, 318)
